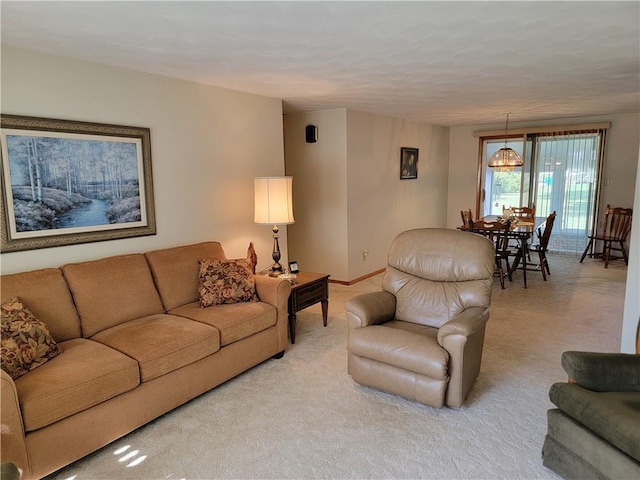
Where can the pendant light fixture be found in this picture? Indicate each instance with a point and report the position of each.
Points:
(506, 157)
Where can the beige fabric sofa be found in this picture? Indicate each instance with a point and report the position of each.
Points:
(135, 343)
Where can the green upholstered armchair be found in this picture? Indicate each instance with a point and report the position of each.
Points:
(595, 430)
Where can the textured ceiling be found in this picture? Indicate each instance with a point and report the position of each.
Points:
(445, 63)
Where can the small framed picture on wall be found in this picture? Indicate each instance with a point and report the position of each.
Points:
(408, 163)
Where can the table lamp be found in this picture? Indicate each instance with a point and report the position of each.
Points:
(273, 206)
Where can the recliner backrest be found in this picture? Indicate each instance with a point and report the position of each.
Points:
(436, 273)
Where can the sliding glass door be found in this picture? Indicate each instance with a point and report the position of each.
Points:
(560, 173)
(566, 182)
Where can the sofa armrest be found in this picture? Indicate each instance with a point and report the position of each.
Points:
(467, 323)
(370, 309)
(274, 291)
(603, 372)
(12, 445)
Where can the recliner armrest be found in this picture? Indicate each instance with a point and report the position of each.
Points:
(467, 323)
(370, 309)
(603, 372)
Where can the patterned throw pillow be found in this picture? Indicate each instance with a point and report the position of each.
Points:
(26, 341)
(225, 281)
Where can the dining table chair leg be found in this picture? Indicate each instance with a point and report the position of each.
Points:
(543, 262)
(520, 256)
(524, 264)
(586, 250)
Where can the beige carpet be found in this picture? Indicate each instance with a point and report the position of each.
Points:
(302, 417)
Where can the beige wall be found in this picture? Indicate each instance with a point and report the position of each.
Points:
(207, 144)
(380, 205)
(318, 240)
(621, 153)
(356, 166)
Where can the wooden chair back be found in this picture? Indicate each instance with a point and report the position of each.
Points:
(467, 218)
(617, 223)
(546, 233)
(614, 233)
(522, 212)
(497, 232)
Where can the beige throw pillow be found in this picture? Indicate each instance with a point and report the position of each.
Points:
(26, 341)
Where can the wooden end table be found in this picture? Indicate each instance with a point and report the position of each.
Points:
(309, 289)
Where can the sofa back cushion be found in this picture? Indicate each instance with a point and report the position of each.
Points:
(111, 291)
(175, 271)
(47, 295)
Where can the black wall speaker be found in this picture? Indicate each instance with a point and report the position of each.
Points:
(311, 133)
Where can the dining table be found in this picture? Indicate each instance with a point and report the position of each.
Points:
(521, 231)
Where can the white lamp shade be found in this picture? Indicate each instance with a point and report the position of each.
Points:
(273, 200)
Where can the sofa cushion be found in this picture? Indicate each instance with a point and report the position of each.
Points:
(85, 374)
(401, 348)
(26, 341)
(614, 416)
(413, 327)
(225, 281)
(234, 321)
(175, 271)
(161, 343)
(112, 291)
(573, 451)
(47, 294)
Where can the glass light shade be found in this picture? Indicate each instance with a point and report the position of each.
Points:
(506, 157)
(273, 200)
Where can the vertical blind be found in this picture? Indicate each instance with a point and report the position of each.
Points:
(566, 177)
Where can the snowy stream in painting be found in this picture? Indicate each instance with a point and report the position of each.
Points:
(94, 213)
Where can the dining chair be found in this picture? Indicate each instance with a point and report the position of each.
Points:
(521, 213)
(540, 246)
(525, 213)
(498, 233)
(615, 230)
(467, 219)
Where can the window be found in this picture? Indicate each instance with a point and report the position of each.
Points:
(561, 173)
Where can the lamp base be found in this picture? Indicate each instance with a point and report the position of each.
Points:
(276, 270)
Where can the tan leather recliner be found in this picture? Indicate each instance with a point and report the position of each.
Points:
(421, 337)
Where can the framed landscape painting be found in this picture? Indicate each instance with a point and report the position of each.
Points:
(66, 182)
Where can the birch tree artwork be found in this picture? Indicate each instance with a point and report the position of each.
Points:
(66, 182)
(61, 182)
